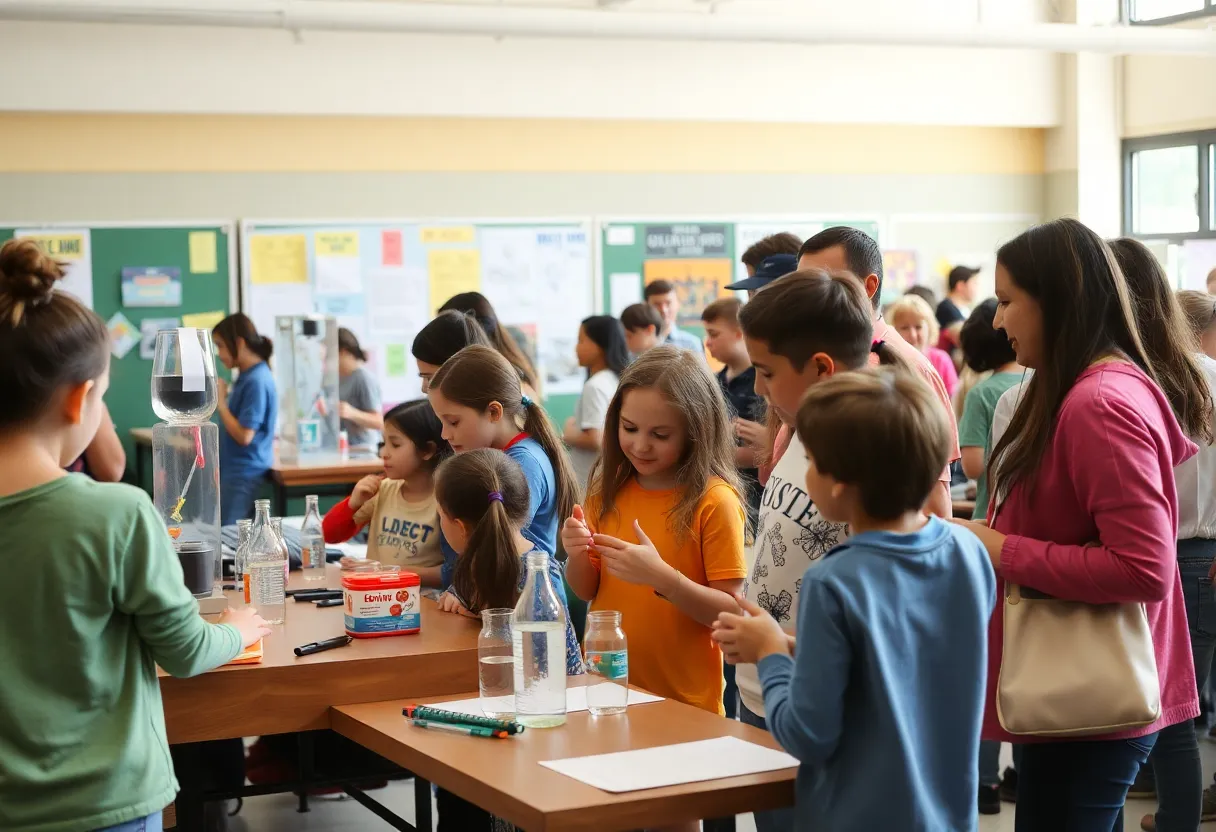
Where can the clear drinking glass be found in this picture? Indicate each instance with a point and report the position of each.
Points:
(607, 657)
(312, 541)
(183, 376)
(496, 664)
(266, 567)
(538, 639)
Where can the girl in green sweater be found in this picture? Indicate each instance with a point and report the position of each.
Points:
(96, 598)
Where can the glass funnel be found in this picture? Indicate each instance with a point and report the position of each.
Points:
(183, 376)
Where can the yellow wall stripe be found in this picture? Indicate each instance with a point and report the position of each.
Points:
(109, 143)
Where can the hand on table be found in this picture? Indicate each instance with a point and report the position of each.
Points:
(637, 563)
(365, 489)
(748, 638)
(448, 602)
(248, 623)
(221, 389)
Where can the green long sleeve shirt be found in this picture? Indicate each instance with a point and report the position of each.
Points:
(94, 601)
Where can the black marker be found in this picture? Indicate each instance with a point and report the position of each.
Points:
(320, 646)
(329, 602)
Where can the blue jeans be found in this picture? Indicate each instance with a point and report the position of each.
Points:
(1176, 765)
(1077, 786)
(152, 823)
(774, 820)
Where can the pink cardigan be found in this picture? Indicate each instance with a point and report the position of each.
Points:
(1108, 476)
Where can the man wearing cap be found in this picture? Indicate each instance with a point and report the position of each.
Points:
(956, 306)
(771, 268)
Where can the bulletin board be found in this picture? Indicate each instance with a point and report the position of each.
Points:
(385, 279)
(700, 256)
(139, 276)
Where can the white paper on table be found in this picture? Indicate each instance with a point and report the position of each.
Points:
(338, 276)
(576, 700)
(672, 765)
(626, 290)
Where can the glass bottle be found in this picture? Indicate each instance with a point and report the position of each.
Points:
(265, 567)
(607, 659)
(538, 639)
(276, 523)
(495, 664)
(312, 541)
(243, 529)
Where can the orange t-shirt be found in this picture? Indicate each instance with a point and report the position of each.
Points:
(669, 653)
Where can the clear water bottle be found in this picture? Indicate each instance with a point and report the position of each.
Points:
(243, 529)
(265, 567)
(496, 664)
(607, 659)
(539, 649)
(276, 523)
(312, 541)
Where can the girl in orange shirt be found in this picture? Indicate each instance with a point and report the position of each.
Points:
(662, 537)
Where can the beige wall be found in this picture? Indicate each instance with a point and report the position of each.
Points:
(1168, 94)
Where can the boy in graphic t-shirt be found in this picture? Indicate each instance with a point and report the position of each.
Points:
(405, 533)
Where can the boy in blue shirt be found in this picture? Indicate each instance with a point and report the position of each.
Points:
(887, 682)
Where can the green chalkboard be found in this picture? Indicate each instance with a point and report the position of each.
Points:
(112, 248)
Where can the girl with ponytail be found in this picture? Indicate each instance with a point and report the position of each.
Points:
(248, 413)
(477, 396)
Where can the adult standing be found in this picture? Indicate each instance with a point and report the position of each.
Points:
(661, 294)
(955, 307)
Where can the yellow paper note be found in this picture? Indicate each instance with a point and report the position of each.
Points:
(452, 271)
(448, 234)
(337, 244)
(203, 320)
(278, 258)
(202, 252)
(60, 246)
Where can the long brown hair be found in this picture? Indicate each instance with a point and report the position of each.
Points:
(1166, 336)
(479, 307)
(48, 339)
(1088, 314)
(487, 491)
(709, 443)
(478, 376)
(238, 325)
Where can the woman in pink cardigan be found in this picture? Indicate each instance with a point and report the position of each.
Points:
(1084, 502)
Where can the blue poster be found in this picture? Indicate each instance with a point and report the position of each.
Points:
(151, 286)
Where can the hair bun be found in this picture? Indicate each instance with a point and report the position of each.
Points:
(27, 275)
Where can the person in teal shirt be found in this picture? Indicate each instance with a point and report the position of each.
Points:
(984, 349)
(249, 414)
(99, 598)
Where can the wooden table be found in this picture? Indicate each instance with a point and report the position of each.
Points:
(503, 776)
(332, 476)
(963, 508)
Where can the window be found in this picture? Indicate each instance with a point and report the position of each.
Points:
(1167, 11)
(1169, 186)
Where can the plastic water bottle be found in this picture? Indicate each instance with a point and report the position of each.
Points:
(312, 541)
(265, 568)
(607, 657)
(538, 639)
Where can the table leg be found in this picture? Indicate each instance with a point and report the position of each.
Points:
(422, 805)
(189, 804)
(304, 751)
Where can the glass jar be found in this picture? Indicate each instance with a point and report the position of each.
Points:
(538, 638)
(496, 664)
(607, 659)
(265, 567)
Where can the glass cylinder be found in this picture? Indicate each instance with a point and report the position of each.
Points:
(266, 567)
(496, 664)
(539, 649)
(312, 541)
(186, 493)
(607, 659)
(243, 528)
(183, 376)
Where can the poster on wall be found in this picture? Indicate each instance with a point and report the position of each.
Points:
(900, 272)
(73, 249)
(698, 283)
(686, 240)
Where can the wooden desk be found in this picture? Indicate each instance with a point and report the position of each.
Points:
(503, 776)
(963, 508)
(289, 693)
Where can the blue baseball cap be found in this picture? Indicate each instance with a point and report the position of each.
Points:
(771, 268)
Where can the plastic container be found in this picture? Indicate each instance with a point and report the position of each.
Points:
(382, 603)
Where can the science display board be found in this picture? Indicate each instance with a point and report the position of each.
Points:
(385, 279)
(700, 257)
(141, 277)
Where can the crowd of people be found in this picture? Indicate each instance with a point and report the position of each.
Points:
(778, 535)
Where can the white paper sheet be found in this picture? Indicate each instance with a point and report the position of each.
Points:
(620, 235)
(561, 280)
(671, 765)
(268, 300)
(507, 259)
(626, 290)
(339, 276)
(576, 700)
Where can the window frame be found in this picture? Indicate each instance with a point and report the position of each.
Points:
(1202, 140)
(1209, 10)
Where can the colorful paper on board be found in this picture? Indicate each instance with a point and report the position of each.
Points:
(151, 286)
(278, 258)
(391, 251)
(451, 272)
(123, 335)
(394, 360)
(148, 328)
(337, 243)
(72, 248)
(448, 234)
(698, 283)
(901, 271)
(203, 252)
(203, 320)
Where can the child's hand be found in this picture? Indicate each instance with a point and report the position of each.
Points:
(365, 489)
(746, 639)
(448, 602)
(248, 623)
(637, 563)
(345, 410)
(576, 537)
(752, 433)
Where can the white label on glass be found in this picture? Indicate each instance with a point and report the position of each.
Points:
(194, 374)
